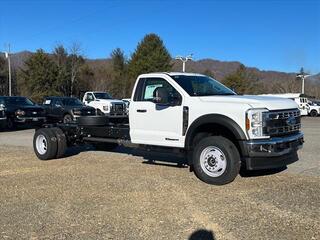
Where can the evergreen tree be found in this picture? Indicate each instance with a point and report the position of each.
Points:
(119, 74)
(40, 76)
(60, 56)
(150, 56)
(242, 81)
(3, 77)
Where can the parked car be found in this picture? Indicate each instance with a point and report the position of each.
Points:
(103, 101)
(3, 118)
(66, 109)
(313, 109)
(22, 111)
(216, 130)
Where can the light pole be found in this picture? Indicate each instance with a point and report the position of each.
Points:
(7, 54)
(184, 60)
(302, 75)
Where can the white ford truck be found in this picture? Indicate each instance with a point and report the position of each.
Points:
(195, 115)
(112, 108)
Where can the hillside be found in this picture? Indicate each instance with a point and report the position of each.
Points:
(220, 68)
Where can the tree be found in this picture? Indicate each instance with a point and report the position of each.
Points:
(76, 61)
(242, 81)
(3, 77)
(60, 56)
(40, 76)
(150, 56)
(119, 74)
(209, 73)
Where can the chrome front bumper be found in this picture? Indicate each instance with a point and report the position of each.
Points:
(30, 119)
(274, 147)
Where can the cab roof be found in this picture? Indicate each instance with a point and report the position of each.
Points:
(171, 74)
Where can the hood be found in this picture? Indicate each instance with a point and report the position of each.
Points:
(271, 103)
(26, 107)
(106, 101)
(83, 108)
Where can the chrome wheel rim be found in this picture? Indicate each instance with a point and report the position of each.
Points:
(213, 161)
(41, 144)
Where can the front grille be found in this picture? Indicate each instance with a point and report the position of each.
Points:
(279, 123)
(118, 109)
(88, 112)
(34, 113)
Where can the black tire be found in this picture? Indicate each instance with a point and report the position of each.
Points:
(10, 124)
(93, 120)
(101, 146)
(313, 113)
(229, 158)
(67, 118)
(51, 144)
(61, 142)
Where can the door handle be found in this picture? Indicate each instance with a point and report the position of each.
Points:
(141, 110)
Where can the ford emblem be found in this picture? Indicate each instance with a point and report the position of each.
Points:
(34, 112)
(291, 121)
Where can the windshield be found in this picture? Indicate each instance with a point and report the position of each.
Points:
(72, 102)
(102, 96)
(21, 101)
(201, 86)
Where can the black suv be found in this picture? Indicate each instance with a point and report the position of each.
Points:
(21, 111)
(66, 109)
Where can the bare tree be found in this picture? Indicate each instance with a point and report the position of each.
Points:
(76, 61)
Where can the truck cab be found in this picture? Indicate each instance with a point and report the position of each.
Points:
(103, 101)
(217, 130)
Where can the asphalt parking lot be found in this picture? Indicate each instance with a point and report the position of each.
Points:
(125, 195)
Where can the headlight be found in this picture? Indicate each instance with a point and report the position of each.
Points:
(106, 108)
(255, 119)
(20, 112)
(76, 112)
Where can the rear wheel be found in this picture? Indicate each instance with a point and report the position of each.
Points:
(45, 144)
(61, 142)
(313, 113)
(216, 160)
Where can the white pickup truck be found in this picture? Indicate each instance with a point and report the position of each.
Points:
(217, 131)
(112, 108)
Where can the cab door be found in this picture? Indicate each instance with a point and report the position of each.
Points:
(154, 123)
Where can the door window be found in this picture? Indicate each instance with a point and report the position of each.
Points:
(151, 84)
(89, 97)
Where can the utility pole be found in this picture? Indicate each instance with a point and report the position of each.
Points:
(7, 53)
(184, 60)
(302, 75)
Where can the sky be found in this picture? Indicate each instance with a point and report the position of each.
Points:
(280, 35)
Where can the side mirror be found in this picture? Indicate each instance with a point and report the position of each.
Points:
(161, 95)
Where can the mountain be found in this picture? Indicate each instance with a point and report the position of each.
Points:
(220, 69)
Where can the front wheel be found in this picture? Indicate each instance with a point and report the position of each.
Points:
(216, 160)
(67, 118)
(10, 124)
(313, 113)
